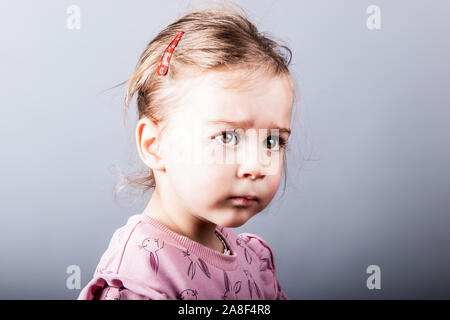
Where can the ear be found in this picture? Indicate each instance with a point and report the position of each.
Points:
(148, 140)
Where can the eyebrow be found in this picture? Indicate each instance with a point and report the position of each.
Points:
(245, 124)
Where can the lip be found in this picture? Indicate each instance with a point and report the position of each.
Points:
(244, 200)
(246, 196)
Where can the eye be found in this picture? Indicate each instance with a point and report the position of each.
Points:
(278, 141)
(226, 136)
(271, 141)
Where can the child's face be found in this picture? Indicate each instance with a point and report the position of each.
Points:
(204, 167)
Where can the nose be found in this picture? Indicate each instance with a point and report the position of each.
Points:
(250, 166)
(251, 172)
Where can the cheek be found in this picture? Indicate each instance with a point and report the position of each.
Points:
(198, 183)
(273, 180)
(194, 148)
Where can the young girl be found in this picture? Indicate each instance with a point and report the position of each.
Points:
(214, 97)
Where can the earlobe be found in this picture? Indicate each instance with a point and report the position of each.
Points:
(148, 143)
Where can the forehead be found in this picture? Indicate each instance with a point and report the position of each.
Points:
(265, 102)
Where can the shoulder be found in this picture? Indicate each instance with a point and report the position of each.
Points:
(132, 260)
(260, 247)
(144, 248)
(111, 258)
(265, 260)
(134, 249)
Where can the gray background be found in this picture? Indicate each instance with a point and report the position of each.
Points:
(369, 184)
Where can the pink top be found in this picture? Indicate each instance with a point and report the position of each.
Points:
(146, 260)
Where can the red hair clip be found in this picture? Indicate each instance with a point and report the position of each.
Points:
(161, 70)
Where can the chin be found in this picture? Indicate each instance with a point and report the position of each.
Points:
(233, 222)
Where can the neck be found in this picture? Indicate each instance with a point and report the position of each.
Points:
(197, 229)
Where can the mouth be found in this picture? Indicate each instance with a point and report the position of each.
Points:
(244, 200)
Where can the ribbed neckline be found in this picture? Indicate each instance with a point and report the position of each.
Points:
(218, 259)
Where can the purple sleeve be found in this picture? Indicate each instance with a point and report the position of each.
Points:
(116, 293)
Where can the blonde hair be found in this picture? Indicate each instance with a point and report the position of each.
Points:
(214, 40)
